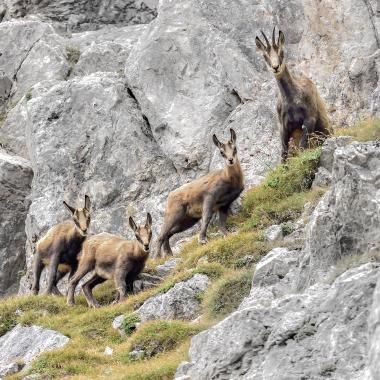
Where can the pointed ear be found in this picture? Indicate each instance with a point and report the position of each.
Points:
(233, 135)
(259, 45)
(148, 222)
(281, 39)
(132, 224)
(87, 202)
(216, 141)
(71, 209)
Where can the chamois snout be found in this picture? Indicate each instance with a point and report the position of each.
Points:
(227, 150)
(143, 233)
(273, 53)
(81, 216)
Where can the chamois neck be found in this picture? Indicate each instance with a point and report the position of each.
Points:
(286, 83)
(234, 173)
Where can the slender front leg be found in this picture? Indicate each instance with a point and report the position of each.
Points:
(285, 142)
(53, 267)
(223, 213)
(120, 278)
(38, 267)
(206, 218)
(308, 129)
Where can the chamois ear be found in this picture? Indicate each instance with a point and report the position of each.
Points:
(216, 141)
(281, 39)
(260, 46)
(233, 135)
(71, 209)
(148, 222)
(87, 202)
(132, 224)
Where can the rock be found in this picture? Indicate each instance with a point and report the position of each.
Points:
(136, 354)
(322, 178)
(346, 221)
(24, 343)
(374, 335)
(106, 49)
(15, 185)
(146, 281)
(108, 351)
(102, 147)
(5, 90)
(84, 14)
(273, 233)
(179, 302)
(321, 333)
(164, 269)
(118, 322)
(31, 52)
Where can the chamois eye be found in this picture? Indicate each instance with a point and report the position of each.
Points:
(235, 150)
(222, 153)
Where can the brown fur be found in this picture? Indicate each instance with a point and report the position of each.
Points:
(112, 257)
(299, 105)
(59, 247)
(201, 198)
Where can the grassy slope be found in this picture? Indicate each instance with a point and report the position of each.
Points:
(279, 199)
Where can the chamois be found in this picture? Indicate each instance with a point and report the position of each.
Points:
(299, 105)
(59, 248)
(201, 198)
(112, 257)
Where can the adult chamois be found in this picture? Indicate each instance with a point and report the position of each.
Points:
(59, 248)
(112, 257)
(300, 108)
(201, 198)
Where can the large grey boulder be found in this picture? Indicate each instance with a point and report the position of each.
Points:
(15, 185)
(24, 343)
(31, 51)
(84, 14)
(319, 334)
(374, 335)
(180, 302)
(88, 136)
(346, 221)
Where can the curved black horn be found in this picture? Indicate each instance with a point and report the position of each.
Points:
(274, 37)
(266, 40)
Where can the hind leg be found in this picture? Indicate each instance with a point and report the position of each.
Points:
(87, 289)
(58, 278)
(37, 270)
(206, 218)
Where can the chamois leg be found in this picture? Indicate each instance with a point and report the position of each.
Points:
(308, 129)
(120, 278)
(87, 290)
(223, 213)
(206, 217)
(58, 278)
(285, 142)
(83, 268)
(53, 268)
(37, 270)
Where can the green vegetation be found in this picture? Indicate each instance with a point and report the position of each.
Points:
(227, 294)
(368, 130)
(129, 323)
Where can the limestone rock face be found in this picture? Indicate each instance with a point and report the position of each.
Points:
(87, 136)
(346, 222)
(24, 343)
(179, 302)
(15, 185)
(84, 14)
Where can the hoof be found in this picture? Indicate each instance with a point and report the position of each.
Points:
(202, 241)
(70, 303)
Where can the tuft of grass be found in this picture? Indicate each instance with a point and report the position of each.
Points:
(129, 323)
(368, 130)
(73, 54)
(157, 337)
(225, 295)
(212, 270)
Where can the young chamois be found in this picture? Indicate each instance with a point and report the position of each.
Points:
(112, 257)
(301, 110)
(201, 198)
(59, 248)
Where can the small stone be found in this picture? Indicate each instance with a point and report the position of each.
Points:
(273, 233)
(136, 355)
(108, 351)
(117, 323)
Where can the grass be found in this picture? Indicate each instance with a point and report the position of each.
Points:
(368, 130)
(226, 294)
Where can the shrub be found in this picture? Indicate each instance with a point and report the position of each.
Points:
(129, 323)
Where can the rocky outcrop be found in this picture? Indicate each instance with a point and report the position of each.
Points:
(84, 14)
(346, 222)
(302, 318)
(22, 344)
(15, 185)
(180, 302)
